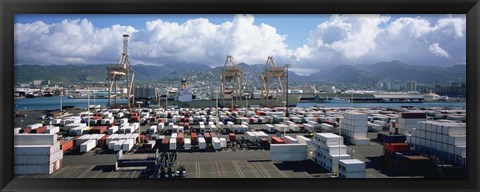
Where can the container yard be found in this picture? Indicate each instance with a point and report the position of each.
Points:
(260, 142)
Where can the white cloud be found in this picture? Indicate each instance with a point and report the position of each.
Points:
(438, 51)
(343, 39)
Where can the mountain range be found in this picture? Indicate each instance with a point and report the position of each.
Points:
(366, 74)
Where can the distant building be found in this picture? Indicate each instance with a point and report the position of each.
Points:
(452, 91)
(379, 85)
(387, 86)
(329, 89)
(37, 82)
(145, 92)
(411, 85)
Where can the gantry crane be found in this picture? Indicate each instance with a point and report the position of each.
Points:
(231, 74)
(117, 71)
(279, 76)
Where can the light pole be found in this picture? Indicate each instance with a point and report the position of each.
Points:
(285, 120)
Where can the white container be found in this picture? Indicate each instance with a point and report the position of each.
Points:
(281, 127)
(288, 156)
(457, 140)
(87, 146)
(16, 130)
(251, 136)
(304, 140)
(35, 139)
(187, 144)
(288, 148)
(335, 149)
(36, 149)
(329, 138)
(289, 140)
(37, 159)
(223, 142)
(34, 169)
(118, 145)
(52, 130)
(127, 145)
(351, 165)
(112, 130)
(361, 141)
(201, 143)
(35, 126)
(111, 144)
(216, 143)
(173, 143)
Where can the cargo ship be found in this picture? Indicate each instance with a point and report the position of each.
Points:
(336, 100)
(292, 102)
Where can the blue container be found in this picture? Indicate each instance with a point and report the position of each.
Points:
(394, 138)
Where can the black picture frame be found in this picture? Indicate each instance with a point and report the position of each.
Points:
(11, 7)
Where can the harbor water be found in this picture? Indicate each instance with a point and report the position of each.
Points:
(53, 103)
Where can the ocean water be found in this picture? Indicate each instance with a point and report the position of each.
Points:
(53, 103)
(377, 105)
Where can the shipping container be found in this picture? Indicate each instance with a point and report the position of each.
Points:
(396, 147)
(208, 138)
(394, 138)
(35, 139)
(128, 145)
(277, 140)
(98, 129)
(232, 137)
(102, 142)
(194, 138)
(87, 146)
(66, 145)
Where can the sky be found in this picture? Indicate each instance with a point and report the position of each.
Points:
(309, 43)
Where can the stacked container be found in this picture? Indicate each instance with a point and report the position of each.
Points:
(217, 145)
(328, 150)
(351, 168)
(445, 140)
(407, 121)
(354, 128)
(289, 140)
(36, 154)
(393, 144)
(187, 144)
(288, 152)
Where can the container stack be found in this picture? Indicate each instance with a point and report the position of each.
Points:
(328, 150)
(355, 127)
(392, 145)
(445, 140)
(407, 121)
(36, 154)
(351, 168)
(288, 152)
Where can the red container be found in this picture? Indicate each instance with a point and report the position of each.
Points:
(180, 138)
(102, 142)
(276, 140)
(187, 119)
(208, 137)
(98, 129)
(213, 134)
(66, 145)
(396, 147)
(25, 130)
(232, 137)
(39, 130)
(194, 139)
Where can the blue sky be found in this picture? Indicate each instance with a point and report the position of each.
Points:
(307, 41)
